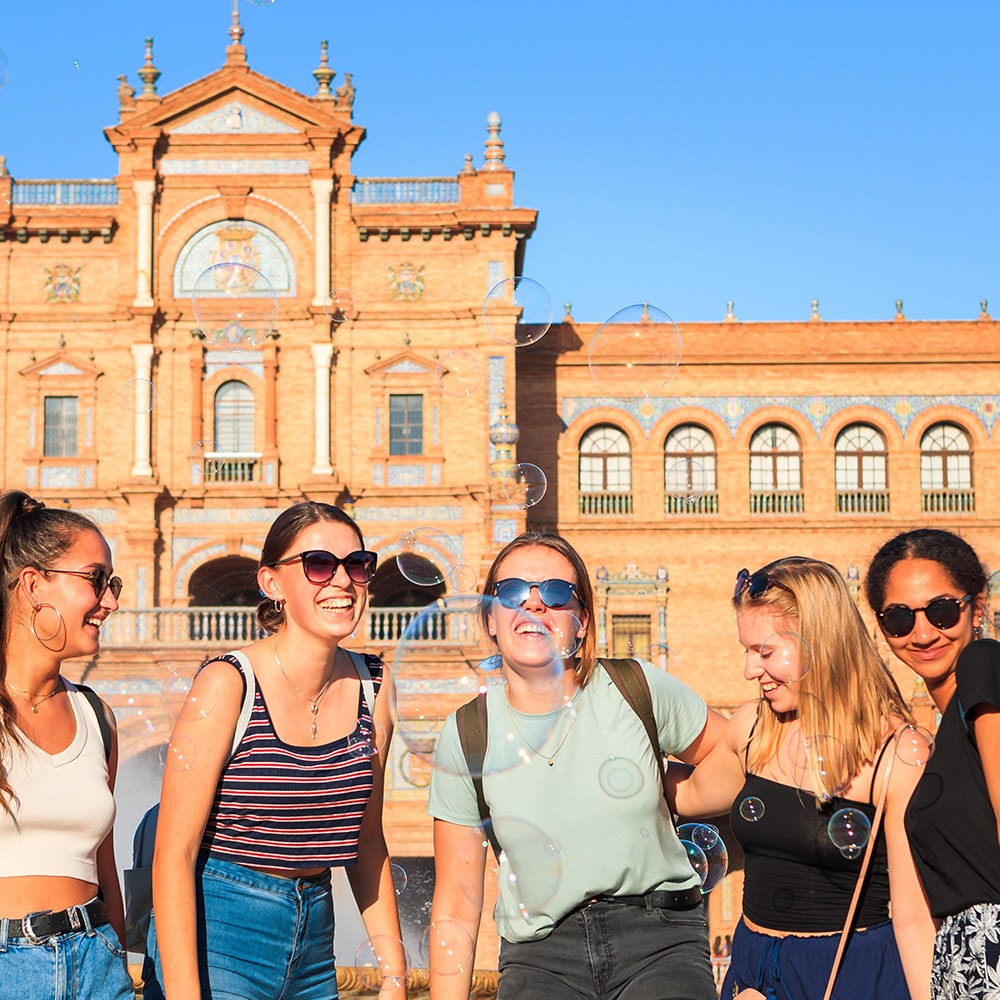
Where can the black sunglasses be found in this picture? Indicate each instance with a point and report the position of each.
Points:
(755, 584)
(321, 566)
(513, 592)
(943, 612)
(99, 580)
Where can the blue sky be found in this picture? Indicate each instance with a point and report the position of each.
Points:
(678, 153)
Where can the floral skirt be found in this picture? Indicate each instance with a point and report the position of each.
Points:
(967, 955)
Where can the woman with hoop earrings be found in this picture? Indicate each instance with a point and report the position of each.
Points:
(242, 904)
(809, 769)
(61, 919)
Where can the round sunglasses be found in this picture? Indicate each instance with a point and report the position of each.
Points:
(943, 612)
(321, 566)
(99, 579)
(513, 592)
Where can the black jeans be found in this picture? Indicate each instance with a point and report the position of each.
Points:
(613, 951)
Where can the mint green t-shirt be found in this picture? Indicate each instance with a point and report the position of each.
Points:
(594, 822)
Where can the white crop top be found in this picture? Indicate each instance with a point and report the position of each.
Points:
(63, 809)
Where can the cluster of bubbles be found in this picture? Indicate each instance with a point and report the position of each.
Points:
(425, 558)
(706, 851)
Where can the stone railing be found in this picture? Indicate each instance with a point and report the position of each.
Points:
(231, 467)
(862, 501)
(778, 502)
(90, 192)
(703, 503)
(948, 501)
(605, 504)
(405, 191)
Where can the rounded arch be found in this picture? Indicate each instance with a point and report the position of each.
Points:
(605, 460)
(230, 581)
(390, 589)
(870, 415)
(678, 415)
(774, 415)
(947, 414)
(202, 552)
(589, 419)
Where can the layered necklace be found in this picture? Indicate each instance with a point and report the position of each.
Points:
(313, 700)
(29, 697)
(549, 759)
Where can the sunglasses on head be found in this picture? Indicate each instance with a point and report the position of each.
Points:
(99, 579)
(321, 566)
(943, 612)
(755, 584)
(513, 592)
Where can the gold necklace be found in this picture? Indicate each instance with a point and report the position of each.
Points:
(313, 702)
(28, 696)
(548, 758)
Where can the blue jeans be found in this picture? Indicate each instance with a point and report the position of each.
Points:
(613, 951)
(260, 937)
(85, 965)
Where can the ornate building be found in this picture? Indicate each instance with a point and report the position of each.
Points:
(236, 322)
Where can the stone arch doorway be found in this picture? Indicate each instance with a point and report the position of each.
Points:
(227, 582)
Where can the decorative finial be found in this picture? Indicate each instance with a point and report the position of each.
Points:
(983, 311)
(567, 311)
(149, 74)
(503, 436)
(899, 310)
(323, 74)
(126, 93)
(730, 316)
(345, 95)
(815, 316)
(468, 168)
(494, 155)
(236, 29)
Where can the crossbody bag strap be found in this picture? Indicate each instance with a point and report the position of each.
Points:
(628, 677)
(865, 862)
(472, 734)
(102, 720)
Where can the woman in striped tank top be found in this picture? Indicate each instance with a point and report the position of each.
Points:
(241, 876)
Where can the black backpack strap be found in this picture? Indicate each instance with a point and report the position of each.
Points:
(631, 682)
(102, 719)
(472, 734)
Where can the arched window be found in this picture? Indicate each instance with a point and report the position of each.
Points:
(946, 470)
(776, 471)
(605, 471)
(689, 468)
(860, 458)
(234, 459)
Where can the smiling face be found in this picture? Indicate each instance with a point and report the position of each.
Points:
(773, 656)
(534, 636)
(930, 652)
(332, 609)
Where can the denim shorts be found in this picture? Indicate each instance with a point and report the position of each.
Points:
(260, 937)
(613, 951)
(87, 964)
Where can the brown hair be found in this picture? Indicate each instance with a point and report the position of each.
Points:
(281, 536)
(31, 534)
(847, 692)
(587, 653)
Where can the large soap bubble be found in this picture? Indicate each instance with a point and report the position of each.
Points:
(635, 352)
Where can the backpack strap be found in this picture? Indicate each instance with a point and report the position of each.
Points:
(471, 720)
(365, 675)
(102, 718)
(249, 693)
(631, 682)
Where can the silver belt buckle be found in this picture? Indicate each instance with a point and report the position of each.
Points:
(29, 931)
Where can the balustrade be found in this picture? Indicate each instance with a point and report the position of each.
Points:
(43, 192)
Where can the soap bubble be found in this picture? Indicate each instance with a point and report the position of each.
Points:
(660, 656)
(752, 809)
(849, 830)
(458, 374)
(340, 306)
(525, 484)
(234, 305)
(686, 479)
(635, 352)
(450, 945)
(819, 759)
(204, 461)
(399, 878)
(707, 838)
(424, 556)
(620, 777)
(381, 958)
(786, 657)
(138, 395)
(177, 754)
(914, 745)
(517, 311)
(697, 860)
(3, 68)
(531, 871)
(463, 578)
(567, 633)
(178, 699)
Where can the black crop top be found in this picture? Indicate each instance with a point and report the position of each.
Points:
(795, 878)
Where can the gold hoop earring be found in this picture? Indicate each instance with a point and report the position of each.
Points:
(279, 606)
(35, 608)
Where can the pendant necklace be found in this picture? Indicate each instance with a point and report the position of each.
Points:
(550, 759)
(313, 701)
(28, 696)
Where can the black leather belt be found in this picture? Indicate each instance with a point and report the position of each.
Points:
(40, 926)
(661, 899)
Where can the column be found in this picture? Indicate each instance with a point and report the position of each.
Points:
(144, 191)
(322, 189)
(142, 355)
(322, 356)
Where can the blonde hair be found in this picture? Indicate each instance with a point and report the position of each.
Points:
(847, 692)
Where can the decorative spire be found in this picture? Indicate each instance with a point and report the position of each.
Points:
(568, 312)
(730, 316)
(814, 316)
(149, 74)
(983, 310)
(503, 436)
(468, 168)
(323, 74)
(494, 144)
(235, 52)
(899, 310)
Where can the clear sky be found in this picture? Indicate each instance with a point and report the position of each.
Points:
(681, 153)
